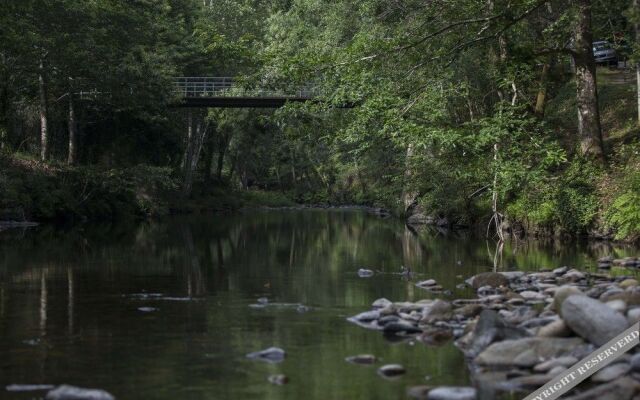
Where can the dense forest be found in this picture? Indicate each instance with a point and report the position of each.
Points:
(470, 112)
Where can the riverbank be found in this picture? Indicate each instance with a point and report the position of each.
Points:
(523, 329)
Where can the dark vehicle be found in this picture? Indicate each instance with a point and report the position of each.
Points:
(604, 53)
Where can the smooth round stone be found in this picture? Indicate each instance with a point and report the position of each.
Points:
(557, 370)
(531, 295)
(391, 370)
(628, 283)
(452, 393)
(633, 315)
(361, 359)
(618, 305)
(635, 362)
(611, 372)
(428, 282)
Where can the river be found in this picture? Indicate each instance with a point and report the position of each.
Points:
(169, 309)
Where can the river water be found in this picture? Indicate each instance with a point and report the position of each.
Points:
(166, 309)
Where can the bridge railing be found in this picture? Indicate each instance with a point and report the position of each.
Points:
(209, 86)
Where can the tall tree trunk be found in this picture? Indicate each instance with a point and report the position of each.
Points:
(71, 159)
(221, 152)
(589, 129)
(44, 136)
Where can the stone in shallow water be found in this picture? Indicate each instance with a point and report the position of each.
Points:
(381, 303)
(419, 392)
(365, 273)
(592, 319)
(270, 355)
(391, 370)
(452, 393)
(27, 388)
(147, 309)
(67, 392)
(361, 359)
(492, 279)
(491, 328)
(278, 379)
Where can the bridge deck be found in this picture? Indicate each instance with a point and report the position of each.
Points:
(239, 102)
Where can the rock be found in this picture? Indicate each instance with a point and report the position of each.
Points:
(419, 392)
(361, 359)
(469, 310)
(452, 393)
(491, 328)
(270, 355)
(560, 271)
(278, 379)
(620, 389)
(635, 362)
(531, 295)
(557, 328)
(427, 283)
(263, 300)
(512, 275)
(527, 352)
(365, 273)
(147, 309)
(555, 362)
(66, 392)
(400, 327)
(607, 259)
(561, 294)
(529, 381)
(381, 303)
(631, 298)
(555, 371)
(492, 279)
(366, 316)
(633, 315)
(391, 370)
(592, 319)
(438, 310)
(627, 283)
(611, 372)
(617, 305)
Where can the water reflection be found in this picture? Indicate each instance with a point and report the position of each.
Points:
(69, 302)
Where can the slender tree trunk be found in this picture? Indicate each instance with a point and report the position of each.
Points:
(408, 196)
(71, 159)
(589, 129)
(188, 173)
(541, 99)
(44, 135)
(222, 150)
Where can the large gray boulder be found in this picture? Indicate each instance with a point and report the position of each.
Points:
(527, 352)
(592, 320)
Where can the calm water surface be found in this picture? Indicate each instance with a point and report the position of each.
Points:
(69, 303)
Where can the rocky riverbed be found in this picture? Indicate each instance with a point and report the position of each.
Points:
(522, 329)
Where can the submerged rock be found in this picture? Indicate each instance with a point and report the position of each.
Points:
(27, 388)
(278, 379)
(67, 392)
(452, 393)
(270, 355)
(391, 370)
(365, 273)
(361, 359)
(592, 319)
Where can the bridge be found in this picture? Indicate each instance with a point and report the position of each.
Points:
(224, 92)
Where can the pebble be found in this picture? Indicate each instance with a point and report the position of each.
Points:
(361, 359)
(67, 392)
(365, 273)
(452, 393)
(270, 355)
(278, 379)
